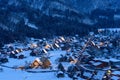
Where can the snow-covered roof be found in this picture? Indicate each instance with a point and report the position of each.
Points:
(116, 72)
(108, 60)
(99, 75)
(95, 63)
(87, 74)
(115, 78)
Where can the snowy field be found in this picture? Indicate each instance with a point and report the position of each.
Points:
(14, 74)
(9, 74)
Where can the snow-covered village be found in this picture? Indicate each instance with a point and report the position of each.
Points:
(59, 39)
(91, 57)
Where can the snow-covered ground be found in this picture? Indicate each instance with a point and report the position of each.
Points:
(9, 74)
(16, 74)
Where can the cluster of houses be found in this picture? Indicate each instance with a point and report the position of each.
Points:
(93, 57)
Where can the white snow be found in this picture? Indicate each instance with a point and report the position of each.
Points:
(95, 63)
(23, 75)
(110, 29)
(9, 74)
(115, 78)
(87, 74)
(57, 54)
(32, 25)
(116, 73)
(99, 75)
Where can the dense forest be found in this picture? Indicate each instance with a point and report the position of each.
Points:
(13, 18)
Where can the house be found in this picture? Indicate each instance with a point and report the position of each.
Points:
(99, 63)
(35, 52)
(95, 64)
(71, 71)
(44, 51)
(62, 38)
(33, 45)
(36, 63)
(21, 56)
(115, 63)
(12, 55)
(60, 41)
(45, 62)
(61, 67)
(60, 74)
(3, 60)
(55, 46)
(18, 51)
(99, 76)
(70, 59)
(42, 62)
(47, 46)
(66, 46)
(116, 73)
(87, 75)
(115, 78)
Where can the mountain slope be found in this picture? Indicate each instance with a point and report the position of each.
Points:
(46, 18)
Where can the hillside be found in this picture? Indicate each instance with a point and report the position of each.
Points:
(46, 18)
